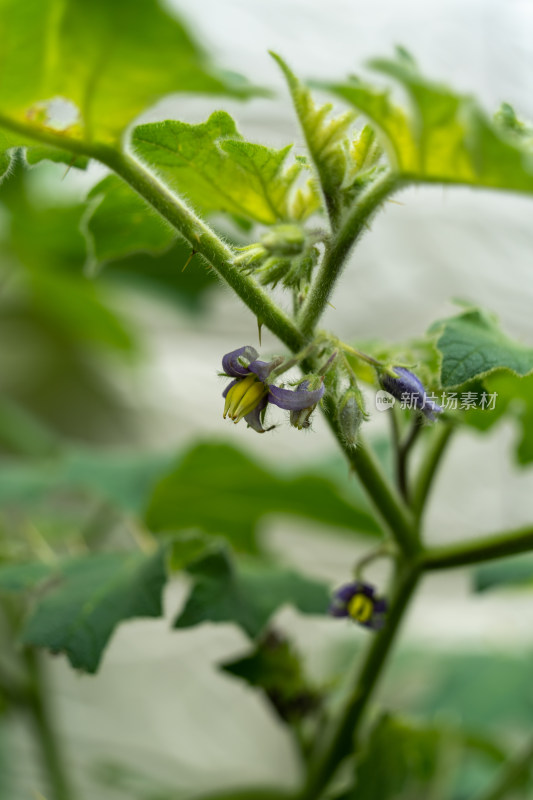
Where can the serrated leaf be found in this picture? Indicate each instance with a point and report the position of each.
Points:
(119, 223)
(241, 493)
(516, 571)
(472, 345)
(109, 62)
(212, 166)
(81, 601)
(446, 137)
(247, 593)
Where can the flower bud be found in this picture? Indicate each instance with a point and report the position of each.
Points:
(350, 416)
(284, 240)
(405, 385)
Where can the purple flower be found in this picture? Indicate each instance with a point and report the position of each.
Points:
(249, 394)
(358, 600)
(408, 387)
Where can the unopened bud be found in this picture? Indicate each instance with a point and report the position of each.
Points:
(301, 418)
(350, 415)
(284, 240)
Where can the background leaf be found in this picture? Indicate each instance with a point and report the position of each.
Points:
(472, 345)
(109, 62)
(447, 138)
(84, 599)
(241, 493)
(510, 572)
(247, 593)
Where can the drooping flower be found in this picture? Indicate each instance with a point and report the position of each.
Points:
(248, 395)
(404, 385)
(359, 601)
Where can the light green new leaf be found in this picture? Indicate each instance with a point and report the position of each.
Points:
(447, 137)
(472, 345)
(83, 600)
(240, 493)
(246, 593)
(110, 59)
(216, 170)
(120, 223)
(510, 572)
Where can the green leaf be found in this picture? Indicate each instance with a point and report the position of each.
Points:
(37, 153)
(217, 170)
(246, 593)
(472, 345)
(516, 571)
(399, 760)
(119, 222)
(240, 493)
(446, 138)
(109, 62)
(84, 599)
(275, 667)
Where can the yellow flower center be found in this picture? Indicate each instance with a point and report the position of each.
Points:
(244, 397)
(360, 607)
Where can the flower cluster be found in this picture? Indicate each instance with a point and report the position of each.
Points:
(358, 600)
(399, 382)
(249, 394)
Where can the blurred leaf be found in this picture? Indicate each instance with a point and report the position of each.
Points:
(36, 153)
(275, 666)
(120, 223)
(246, 592)
(217, 170)
(83, 600)
(77, 305)
(514, 399)
(515, 571)
(124, 479)
(446, 137)
(111, 63)
(472, 345)
(399, 760)
(240, 493)
(21, 433)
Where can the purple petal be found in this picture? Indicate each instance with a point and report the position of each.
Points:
(337, 610)
(229, 386)
(231, 364)
(263, 368)
(408, 383)
(292, 400)
(346, 592)
(254, 417)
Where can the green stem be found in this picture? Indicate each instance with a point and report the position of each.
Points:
(338, 249)
(388, 505)
(428, 470)
(508, 543)
(37, 707)
(510, 774)
(339, 740)
(199, 235)
(404, 450)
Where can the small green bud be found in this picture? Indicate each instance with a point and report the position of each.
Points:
(350, 415)
(284, 240)
(273, 270)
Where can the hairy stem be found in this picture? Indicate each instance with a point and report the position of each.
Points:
(510, 774)
(388, 505)
(508, 543)
(339, 740)
(198, 234)
(37, 707)
(429, 467)
(339, 248)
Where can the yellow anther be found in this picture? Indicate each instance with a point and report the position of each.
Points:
(360, 608)
(236, 393)
(253, 396)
